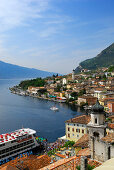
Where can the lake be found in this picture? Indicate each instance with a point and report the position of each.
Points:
(20, 111)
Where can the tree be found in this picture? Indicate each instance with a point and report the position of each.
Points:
(74, 94)
(38, 82)
(81, 92)
(58, 88)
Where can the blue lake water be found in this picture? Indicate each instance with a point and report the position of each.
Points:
(17, 111)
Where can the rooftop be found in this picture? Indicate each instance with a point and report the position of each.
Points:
(84, 119)
(32, 163)
(83, 141)
(84, 152)
(111, 125)
(108, 138)
(15, 135)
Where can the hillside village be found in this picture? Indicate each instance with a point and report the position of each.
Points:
(82, 89)
(89, 138)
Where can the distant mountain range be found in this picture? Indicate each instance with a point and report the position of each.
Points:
(10, 71)
(104, 59)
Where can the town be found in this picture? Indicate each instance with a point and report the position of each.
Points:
(89, 138)
(82, 89)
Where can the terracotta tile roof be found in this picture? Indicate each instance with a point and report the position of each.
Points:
(111, 125)
(84, 152)
(61, 162)
(60, 155)
(83, 141)
(31, 162)
(108, 138)
(111, 117)
(87, 97)
(84, 119)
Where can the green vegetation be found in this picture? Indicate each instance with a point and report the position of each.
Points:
(58, 88)
(104, 59)
(38, 82)
(69, 144)
(81, 92)
(89, 167)
(111, 69)
(74, 94)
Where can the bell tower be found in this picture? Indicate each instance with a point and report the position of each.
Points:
(96, 127)
(73, 74)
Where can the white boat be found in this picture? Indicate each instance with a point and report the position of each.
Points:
(16, 143)
(54, 108)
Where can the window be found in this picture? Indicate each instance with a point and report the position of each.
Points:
(68, 129)
(77, 136)
(69, 135)
(95, 120)
(74, 124)
(82, 130)
(73, 129)
(2, 144)
(78, 130)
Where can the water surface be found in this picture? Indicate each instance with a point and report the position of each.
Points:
(20, 111)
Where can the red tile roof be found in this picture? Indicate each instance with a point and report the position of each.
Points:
(111, 125)
(32, 162)
(108, 138)
(60, 155)
(83, 141)
(84, 152)
(84, 119)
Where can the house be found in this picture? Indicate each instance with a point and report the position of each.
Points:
(110, 105)
(82, 143)
(84, 152)
(64, 81)
(76, 127)
(90, 100)
(34, 90)
(31, 162)
(106, 100)
(111, 118)
(110, 128)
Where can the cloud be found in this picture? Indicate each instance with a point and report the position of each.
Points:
(14, 13)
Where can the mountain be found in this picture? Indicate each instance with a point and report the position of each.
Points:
(10, 71)
(104, 59)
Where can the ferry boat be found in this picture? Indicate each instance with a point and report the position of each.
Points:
(17, 142)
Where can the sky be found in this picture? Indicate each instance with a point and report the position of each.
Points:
(54, 35)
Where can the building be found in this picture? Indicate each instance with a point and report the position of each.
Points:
(64, 81)
(110, 105)
(82, 143)
(31, 162)
(110, 128)
(76, 127)
(90, 100)
(73, 74)
(101, 145)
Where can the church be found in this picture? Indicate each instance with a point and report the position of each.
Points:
(101, 144)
